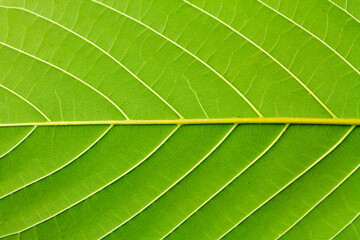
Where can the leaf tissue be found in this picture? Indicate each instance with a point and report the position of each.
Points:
(181, 119)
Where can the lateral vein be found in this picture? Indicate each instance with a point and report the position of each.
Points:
(347, 225)
(319, 202)
(176, 182)
(19, 142)
(267, 54)
(344, 10)
(98, 190)
(188, 52)
(229, 182)
(27, 101)
(292, 181)
(312, 34)
(69, 74)
(61, 167)
(103, 51)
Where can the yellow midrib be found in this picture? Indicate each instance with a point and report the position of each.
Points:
(263, 120)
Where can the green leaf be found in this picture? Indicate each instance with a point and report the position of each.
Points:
(182, 119)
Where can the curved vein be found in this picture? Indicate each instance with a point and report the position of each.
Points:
(352, 16)
(229, 182)
(313, 35)
(103, 51)
(188, 52)
(19, 142)
(176, 182)
(98, 190)
(27, 101)
(197, 98)
(69, 74)
(320, 201)
(267, 54)
(292, 181)
(61, 167)
(342, 229)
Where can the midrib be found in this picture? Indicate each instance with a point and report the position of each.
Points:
(263, 120)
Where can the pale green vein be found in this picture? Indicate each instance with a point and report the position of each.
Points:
(27, 101)
(342, 9)
(268, 54)
(320, 201)
(69, 74)
(190, 53)
(98, 190)
(293, 180)
(177, 181)
(313, 35)
(229, 182)
(103, 51)
(348, 224)
(18, 143)
(61, 167)
(197, 98)
(60, 106)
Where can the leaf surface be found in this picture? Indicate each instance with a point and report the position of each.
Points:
(179, 119)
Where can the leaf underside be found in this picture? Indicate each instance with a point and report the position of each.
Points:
(87, 62)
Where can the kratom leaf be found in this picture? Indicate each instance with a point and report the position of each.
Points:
(181, 119)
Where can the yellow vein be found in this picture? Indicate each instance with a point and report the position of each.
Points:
(103, 51)
(61, 167)
(348, 224)
(187, 51)
(69, 74)
(313, 35)
(229, 182)
(293, 180)
(18, 143)
(181, 178)
(98, 190)
(345, 11)
(264, 120)
(27, 101)
(322, 199)
(268, 54)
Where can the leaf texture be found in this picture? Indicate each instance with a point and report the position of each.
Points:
(91, 91)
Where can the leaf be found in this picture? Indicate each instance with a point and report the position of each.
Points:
(179, 119)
